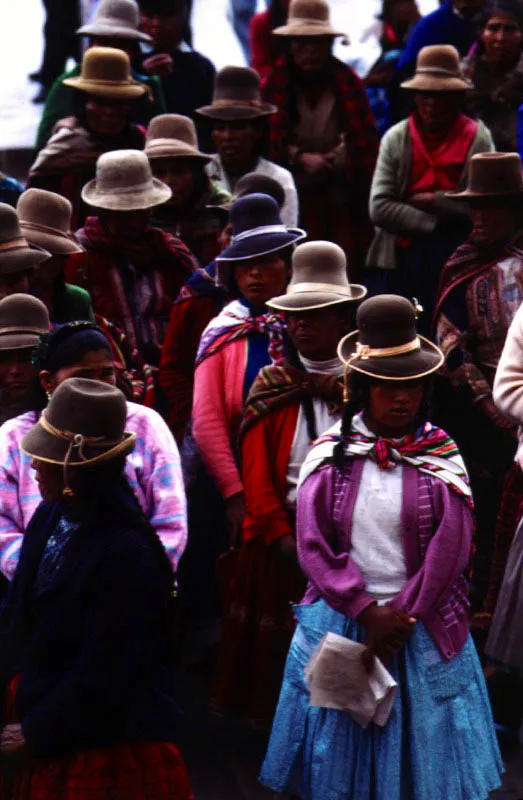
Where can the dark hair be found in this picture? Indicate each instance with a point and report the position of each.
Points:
(514, 8)
(359, 387)
(165, 8)
(285, 254)
(67, 344)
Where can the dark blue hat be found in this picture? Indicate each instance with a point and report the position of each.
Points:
(257, 229)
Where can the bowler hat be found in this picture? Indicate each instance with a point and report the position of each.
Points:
(491, 176)
(124, 182)
(106, 72)
(83, 424)
(45, 219)
(438, 70)
(173, 136)
(251, 183)
(23, 319)
(237, 96)
(308, 18)
(386, 345)
(319, 279)
(16, 254)
(119, 19)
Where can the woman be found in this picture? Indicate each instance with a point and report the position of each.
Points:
(290, 404)
(100, 124)
(154, 473)
(87, 656)
(384, 533)
(420, 158)
(266, 48)
(132, 270)
(242, 339)
(45, 220)
(18, 259)
(323, 131)
(172, 149)
(23, 319)
(238, 117)
(481, 289)
(495, 67)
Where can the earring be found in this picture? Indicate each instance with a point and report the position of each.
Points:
(48, 395)
(68, 492)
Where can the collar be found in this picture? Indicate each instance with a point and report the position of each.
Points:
(332, 366)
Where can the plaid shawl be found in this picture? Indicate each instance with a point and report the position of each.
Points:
(358, 126)
(281, 384)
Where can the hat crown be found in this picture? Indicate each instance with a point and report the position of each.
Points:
(41, 207)
(172, 126)
(118, 14)
(23, 312)
(106, 64)
(87, 407)
(495, 173)
(123, 171)
(258, 183)
(254, 211)
(319, 262)
(9, 224)
(308, 10)
(439, 59)
(387, 320)
(241, 84)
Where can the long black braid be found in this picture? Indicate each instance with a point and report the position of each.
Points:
(307, 401)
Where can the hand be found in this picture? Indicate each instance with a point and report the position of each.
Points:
(388, 629)
(161, 65)
(314, 163)
(12, 740)
(424, 201)
(235, 511)
(287, 547)
(502, 422)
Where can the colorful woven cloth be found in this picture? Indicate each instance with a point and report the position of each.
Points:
(236, 322)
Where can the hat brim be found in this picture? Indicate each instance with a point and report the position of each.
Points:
(308, 30)
(12, 261)
(109, 31)
(57, 245)
(166, 149)
(19, 341)
(469, 194)
(429, 83)
(261, 245)
(129, 91)
(406, 367)
(309, 301)
(129, 201)
(236, 111)
(43, 446)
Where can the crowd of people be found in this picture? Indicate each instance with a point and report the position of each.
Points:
(261, 363)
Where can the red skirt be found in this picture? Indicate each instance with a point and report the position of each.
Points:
(132, 771)
(258, 626)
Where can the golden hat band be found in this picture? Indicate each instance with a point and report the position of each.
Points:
(239, 102)
(364, 351)
(330, 288)
(15, 244)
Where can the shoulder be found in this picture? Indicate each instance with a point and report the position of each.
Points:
(275, 171)
(395, 135)
(15, 429)
(146, 422)
(77, 293)
(199, 62)
(260, 23)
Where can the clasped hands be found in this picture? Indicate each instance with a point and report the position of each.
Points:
(388, 629)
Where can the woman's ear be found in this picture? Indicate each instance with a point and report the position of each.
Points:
(46, 381)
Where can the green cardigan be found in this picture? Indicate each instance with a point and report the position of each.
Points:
(72, 305)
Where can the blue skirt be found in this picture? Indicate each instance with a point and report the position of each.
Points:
(439, 742)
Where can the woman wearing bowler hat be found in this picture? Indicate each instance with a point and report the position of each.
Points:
(290, 404)
(87, 659)
(18, 258)
(384, 532)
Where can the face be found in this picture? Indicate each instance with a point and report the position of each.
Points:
(502, 39)
(404, 13)
(315, 334)
(96, 365)
(261, 279)
(236, 142)
(469, 8)
(166, 30)
(492, 223)
(126, 225)
(178, 174)
(17, 374)
(394, 407)
(437, 110)
(106, 117)
(129, 46)
(17, 282)
(311, 53)
(50, 480)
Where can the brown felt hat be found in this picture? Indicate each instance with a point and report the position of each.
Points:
(308, 18)
(237, 96)
(319, 279)
(23, 319)
(45, 220)
(491, 176)
(106, 72)
(386, 345)
(83, 424)
(118, 19)
(173, 136)
(124, 182)
(438, 70)
(16, 254)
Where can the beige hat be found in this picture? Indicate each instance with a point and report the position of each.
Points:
(119, 19)
(319, 279)
(438, 70)
(308, 18)
(106, 72)
(173, 136)
(45, 219)
(124, 182)
(16, 254)
(491, 176)
(23, 320)
(237, 95)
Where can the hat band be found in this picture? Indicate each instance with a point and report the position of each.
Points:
(37, 226)
(123, 82)
(300, 22)
(15, 244)
(17, 331)
(116, 190)
(259, 232)
(240, 102)
(331, 288)
(438, 71)
(364, 351)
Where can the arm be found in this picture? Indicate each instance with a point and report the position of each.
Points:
(508, 383)
(290, 208)
(260, 36)
(11, 517)
(335, 575)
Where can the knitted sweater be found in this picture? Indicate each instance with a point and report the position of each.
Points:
(508, 383)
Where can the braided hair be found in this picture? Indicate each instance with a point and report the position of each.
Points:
(306, 402)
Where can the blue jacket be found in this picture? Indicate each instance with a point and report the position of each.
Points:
(94, 646)
(443, 26)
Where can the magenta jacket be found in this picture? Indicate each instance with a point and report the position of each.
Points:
(437, 534)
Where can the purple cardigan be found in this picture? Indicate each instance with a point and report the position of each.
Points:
(437, 534)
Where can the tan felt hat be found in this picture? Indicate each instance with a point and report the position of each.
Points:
(106, 72)
(308, 18)
(119, 19)
(236, 96)
(124, 182)
(438, 70)
(45, 220)
(16, 254)
(491, 176)
(173, 136)
(23, 319)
